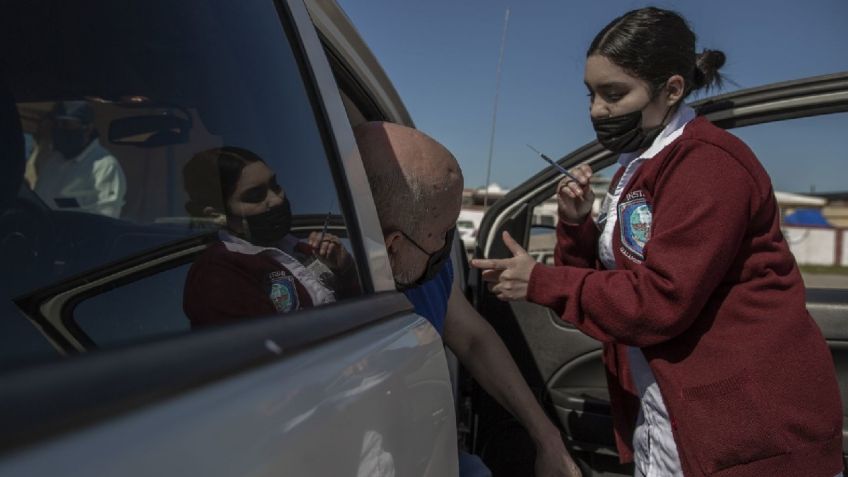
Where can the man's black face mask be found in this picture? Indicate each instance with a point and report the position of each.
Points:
(70, 142)
(435, 260)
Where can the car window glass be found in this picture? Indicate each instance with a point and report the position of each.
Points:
(354, 114)
(122, 315)
(164, 171)
(544, 219)
(805, 159)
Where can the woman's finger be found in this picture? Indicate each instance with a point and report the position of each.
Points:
(312, 240)
(575, 189)
(497, 288)
(490, 263)
(581, 174)
(563, 184)
(565, 194)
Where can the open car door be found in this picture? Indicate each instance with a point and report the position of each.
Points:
(563, 365)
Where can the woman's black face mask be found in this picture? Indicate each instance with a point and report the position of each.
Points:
(269, 227)
(624, 133)
(435, 260)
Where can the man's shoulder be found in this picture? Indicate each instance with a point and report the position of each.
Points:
(101, 159)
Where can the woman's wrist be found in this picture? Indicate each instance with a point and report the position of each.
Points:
(573, 222)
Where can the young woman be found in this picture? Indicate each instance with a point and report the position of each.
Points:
(257, 268)
(714, 364)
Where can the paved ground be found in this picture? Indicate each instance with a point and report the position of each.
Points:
(820, 280)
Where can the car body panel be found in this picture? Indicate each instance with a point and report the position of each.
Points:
(379, 398)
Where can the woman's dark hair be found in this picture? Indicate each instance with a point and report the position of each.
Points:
(210, 177)
(655, 44)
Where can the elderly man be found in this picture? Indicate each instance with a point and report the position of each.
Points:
(75, 172)
(417, 186)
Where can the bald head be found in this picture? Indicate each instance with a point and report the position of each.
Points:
(416, 182)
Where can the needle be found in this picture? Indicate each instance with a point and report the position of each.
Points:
(557, 166)
(326, 223)
(324, 230)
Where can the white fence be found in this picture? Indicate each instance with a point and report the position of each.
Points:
(818, 246)
(844, 261)
(810, 245)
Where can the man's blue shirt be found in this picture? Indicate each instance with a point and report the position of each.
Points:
(431, 299)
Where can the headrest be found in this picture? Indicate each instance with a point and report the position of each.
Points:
(79, 110)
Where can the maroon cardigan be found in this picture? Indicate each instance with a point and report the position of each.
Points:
(706, 286)
(224, 286)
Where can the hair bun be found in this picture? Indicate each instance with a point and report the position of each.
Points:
(711, 59)
(707, 64)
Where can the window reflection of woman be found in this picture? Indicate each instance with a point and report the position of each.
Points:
(257, 267)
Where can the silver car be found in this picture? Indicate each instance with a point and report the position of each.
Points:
(102, 372)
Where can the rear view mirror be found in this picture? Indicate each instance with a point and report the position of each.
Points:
(153, 130)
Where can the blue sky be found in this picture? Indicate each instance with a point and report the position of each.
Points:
(442, 57)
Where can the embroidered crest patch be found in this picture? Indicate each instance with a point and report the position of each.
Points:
(283, 293)
(634, 218)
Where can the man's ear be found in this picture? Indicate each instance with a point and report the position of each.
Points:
(392, 242)
(675, 86)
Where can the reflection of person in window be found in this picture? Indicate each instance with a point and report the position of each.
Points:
(257, 268)
(78, 173)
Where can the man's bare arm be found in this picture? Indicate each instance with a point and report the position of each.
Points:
(484, 355)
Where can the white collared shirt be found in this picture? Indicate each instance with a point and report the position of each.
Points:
(631, 163)
(91, 182)
(655, 452)
(318, 292)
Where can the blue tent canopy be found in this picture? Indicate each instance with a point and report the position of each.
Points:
(809, 217)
